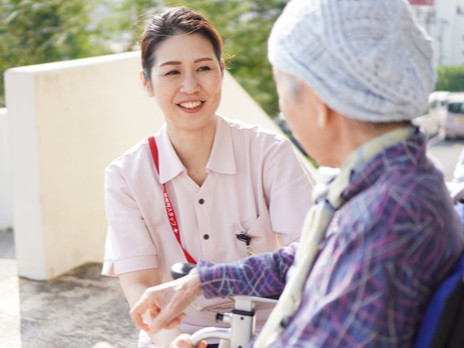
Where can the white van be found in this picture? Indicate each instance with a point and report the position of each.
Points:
(454, 123)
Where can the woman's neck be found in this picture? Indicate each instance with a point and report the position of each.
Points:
(194, 149)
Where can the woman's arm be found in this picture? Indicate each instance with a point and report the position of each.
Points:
(134, 285)
(161, 307)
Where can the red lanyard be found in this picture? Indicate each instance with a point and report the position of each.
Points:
(167, 201)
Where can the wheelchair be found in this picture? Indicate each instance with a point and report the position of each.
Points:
(441, 327)
(241, 318)
(442, 324)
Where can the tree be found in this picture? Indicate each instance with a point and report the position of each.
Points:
(245, 30)
(126, 22)
(450, 78)
(37, 31)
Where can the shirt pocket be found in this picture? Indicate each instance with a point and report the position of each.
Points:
(262, 237)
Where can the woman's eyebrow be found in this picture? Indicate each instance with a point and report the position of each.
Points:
(175, 62)
(202, 59)
(170, 63)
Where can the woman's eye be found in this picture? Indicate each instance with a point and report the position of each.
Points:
(204, 68)
(172, 72)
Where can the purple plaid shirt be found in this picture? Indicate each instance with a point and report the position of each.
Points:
(385, 252)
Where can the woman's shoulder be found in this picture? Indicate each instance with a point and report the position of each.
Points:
(131, 155)
(244, 130)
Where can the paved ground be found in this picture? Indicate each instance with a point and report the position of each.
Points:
(77, 309)
(446, 152)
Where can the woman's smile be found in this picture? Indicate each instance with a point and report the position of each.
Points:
(191, 106)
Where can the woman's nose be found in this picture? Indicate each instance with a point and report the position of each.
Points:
(190, 84)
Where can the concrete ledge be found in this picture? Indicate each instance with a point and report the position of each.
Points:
(67, 121)
(6, 204)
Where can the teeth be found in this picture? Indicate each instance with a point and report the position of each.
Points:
(190, 105)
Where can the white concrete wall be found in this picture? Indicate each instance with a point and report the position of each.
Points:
(67, 121)
(6, 204)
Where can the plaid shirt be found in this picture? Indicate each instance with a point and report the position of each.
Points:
(385, 252)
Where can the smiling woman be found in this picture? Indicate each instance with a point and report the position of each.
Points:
(187, 87)
(187, 192)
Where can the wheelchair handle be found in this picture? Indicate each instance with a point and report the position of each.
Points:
(210, 332)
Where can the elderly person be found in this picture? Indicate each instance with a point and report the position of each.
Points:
(203, 186)
(350, 76)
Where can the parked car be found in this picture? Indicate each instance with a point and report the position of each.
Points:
(454, 122)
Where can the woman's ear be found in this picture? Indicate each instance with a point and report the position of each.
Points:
(223, 66)
(147, 85)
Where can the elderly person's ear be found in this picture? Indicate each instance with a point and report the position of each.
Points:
(322, 115)
(322, 110)
(147, 85)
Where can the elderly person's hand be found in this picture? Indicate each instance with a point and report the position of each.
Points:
(183, 341)
(165, 303)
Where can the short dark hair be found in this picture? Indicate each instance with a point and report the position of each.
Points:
(171, 22)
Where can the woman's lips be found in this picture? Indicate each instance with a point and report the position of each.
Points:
(191, 106)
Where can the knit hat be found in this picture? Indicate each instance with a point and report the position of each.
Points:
(366, 59)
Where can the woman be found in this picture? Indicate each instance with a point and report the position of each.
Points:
(350, 75)
(222, 178)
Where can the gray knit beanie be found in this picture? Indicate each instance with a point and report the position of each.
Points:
(366, 59)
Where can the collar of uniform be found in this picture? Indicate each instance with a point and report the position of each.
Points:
(222, 159)
(169, 163)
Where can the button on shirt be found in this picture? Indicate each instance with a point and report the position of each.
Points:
(256, 184)
(385, 252)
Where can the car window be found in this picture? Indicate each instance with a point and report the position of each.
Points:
(456, 108)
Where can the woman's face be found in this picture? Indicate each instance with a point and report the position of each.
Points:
(186, 81)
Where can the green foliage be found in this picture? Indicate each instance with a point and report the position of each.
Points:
(127, 21)
(450, 78)
(38, 31)
(245, 27)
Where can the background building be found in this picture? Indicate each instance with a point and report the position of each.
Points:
(444, 21)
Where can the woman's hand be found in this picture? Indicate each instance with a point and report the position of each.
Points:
(183, 341)
(165, 303)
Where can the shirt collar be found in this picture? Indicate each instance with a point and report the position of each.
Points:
(358, 159)
(221, 160)
(363, 154)
(169, 163)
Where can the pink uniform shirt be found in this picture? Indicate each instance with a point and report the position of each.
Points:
(256, 184)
